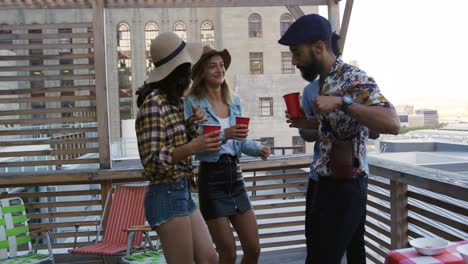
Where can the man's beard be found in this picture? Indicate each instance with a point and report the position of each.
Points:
(310, 71)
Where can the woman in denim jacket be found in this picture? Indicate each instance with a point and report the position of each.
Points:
(222, 194)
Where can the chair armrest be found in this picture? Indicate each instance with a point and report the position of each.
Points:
(79, 224)
(140, 228)
(38, 230)
(145, 229)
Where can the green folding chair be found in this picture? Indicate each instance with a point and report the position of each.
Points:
(14, 231)
(148, 257)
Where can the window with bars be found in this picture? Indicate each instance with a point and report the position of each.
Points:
(286, 63)
(266, 106)
(91, 59)
(123, 36)
(255, 26)
(285, 21)
(207, 33)
(124, 45)
(256, 62)
(65, 40)
(40, 104)
(36, 84)
(5, 32)
(299, 145)
(66, 83)
(33, 52)
(124, 71)
(181, 30)
(65, 51)
(151, 32)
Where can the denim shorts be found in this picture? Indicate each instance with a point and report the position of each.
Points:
(168, 200)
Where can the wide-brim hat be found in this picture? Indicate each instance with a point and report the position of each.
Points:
(208, 52)
(168, 51)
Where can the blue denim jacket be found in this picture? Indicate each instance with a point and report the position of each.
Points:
(246, 146)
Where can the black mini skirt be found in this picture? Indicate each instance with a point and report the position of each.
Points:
(221, 188)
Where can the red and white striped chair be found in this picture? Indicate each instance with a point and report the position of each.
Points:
(126, 210)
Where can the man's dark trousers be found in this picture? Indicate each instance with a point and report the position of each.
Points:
(335, 220)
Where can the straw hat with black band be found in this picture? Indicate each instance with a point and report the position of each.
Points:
(168, 51)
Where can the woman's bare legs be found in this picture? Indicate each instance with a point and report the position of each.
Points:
(246, 227)
(203, 248)
(176, 240)
(185, 239)
(221, 232)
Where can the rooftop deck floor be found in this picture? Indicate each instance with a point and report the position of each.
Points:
(285, 256)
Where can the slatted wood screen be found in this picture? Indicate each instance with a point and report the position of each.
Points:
(47, 96)
(277, 191)
(378, 230)
(70, 213)
(279, 203)
(429, 214)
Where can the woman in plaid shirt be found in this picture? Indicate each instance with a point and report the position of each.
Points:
(166, 143)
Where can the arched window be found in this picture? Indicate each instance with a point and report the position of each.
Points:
(255, 26)
(207, 33)
(180, 30)
(124, 65)
(151, 31)
(285, 22)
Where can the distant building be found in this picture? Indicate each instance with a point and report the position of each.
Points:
(261, 71)
(405, 109)
(403, 118)
(415, 120)
(431, 117)
(423, 117)
(10, 106)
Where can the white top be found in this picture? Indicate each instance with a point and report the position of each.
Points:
(228, 147)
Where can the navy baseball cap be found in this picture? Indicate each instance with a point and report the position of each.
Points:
(308, 28)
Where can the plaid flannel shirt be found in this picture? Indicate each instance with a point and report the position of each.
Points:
(160, 128)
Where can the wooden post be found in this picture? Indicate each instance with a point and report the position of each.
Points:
(334, 14)
(295, 11)
(345, 23)
(399, 214)
(105, 189)
(101, 86)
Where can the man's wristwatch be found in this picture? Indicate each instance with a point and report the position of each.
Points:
(347, 101)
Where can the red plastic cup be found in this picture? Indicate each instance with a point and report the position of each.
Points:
(242, 120)
(293, 105)
(210, 128)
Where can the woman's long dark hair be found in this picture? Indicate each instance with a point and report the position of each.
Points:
(173, 86)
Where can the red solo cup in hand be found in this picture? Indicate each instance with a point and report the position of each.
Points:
(242, 120)
(293, 105)
(210, 128)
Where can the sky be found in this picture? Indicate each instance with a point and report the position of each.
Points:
(417, 50)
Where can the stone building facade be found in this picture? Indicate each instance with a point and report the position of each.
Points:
(260, 72)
